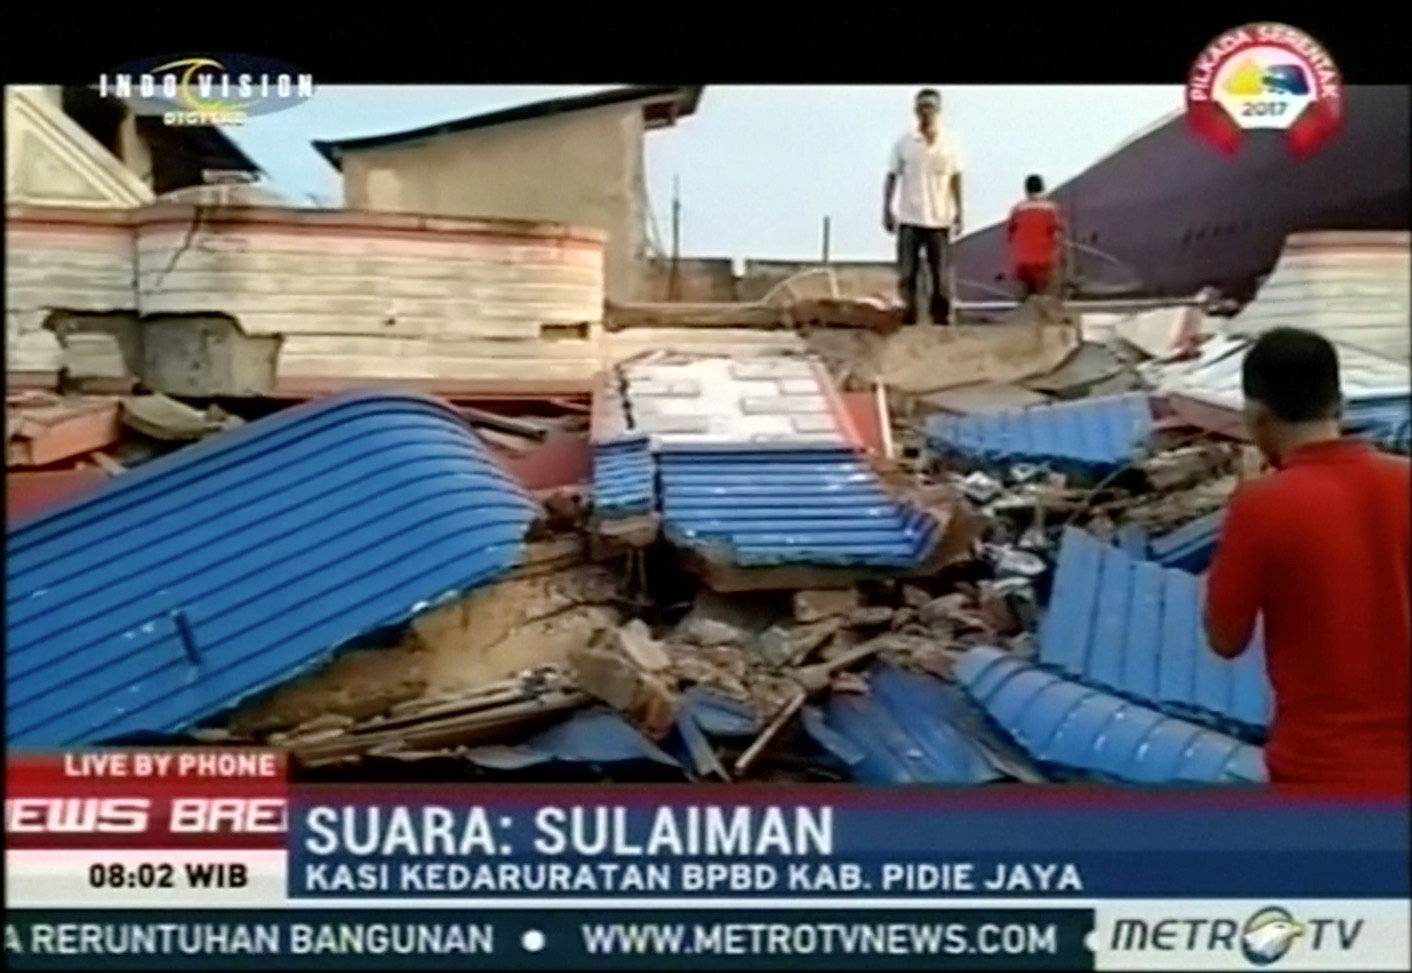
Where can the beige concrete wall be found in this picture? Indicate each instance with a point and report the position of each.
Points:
(704, 279)
(352, 297)
(699, 280)
(60, 260)
(581, 167)
(360, 295)
(852, 278)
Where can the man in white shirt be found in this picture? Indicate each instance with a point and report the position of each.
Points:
(925, 177)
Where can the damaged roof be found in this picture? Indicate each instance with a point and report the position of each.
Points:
(1386, 423)
(1215, 376)
(912, 728)
(1065, 724)
(232, 566)
(624, 478)
(1191, 546)
(754, 462)
(1135, 627)
(1351, 287)
(1088, 436)
(768, 507)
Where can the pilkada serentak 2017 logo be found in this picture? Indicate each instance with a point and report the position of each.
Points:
(221, 89)
(1265, 76)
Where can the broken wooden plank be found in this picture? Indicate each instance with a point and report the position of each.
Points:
(524, 428)
(509, 442)
(107, 464)
(482, 726)
(771, 730)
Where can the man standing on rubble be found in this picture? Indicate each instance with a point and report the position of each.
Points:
(1320, 549)
(925, 176)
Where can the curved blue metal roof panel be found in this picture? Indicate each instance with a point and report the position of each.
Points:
(1387, 422)
(223, 570)
(1191, 546)
(761, 507)
(1089, 436)
(1135, 628)
(1070, 725)
(624, 478)
(909, 729)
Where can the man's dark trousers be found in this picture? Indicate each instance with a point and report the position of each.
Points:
(913, 242)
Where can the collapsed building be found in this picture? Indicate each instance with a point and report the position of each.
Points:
(411, 496)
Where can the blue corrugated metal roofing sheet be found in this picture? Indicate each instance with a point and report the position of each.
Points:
(912, 728)
(1069, 725)
(1191, 546)
(594, 736)
(759, 507)
(624, 478)
(225, 569)
(1135, 627)
(703, 714)
(1386, 422)
(1087, 437)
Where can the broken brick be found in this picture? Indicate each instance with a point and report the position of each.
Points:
(636, 640)
(943, 610)
(995, 612)
(815, 604)
(870, 616)
(903, 617)
(709, 632)
(849, 682)
(784, 644)
(938, 660)
(914, 597)
(607, 675)
(655, 708)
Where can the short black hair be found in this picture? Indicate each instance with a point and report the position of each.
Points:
(1294, 374)
(929, 93)
(1034, 184)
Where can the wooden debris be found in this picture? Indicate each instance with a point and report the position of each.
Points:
(506, 441)
(107, 464)
(771, 730)
(523, 428)
(487, 715)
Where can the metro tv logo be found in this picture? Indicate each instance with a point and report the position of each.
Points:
(1261, 939)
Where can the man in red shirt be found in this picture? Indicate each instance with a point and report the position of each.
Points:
(1320, 549)
(1034, 234)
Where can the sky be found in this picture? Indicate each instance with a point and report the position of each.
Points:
(760, 166)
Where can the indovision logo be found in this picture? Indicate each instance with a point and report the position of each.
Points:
(208, 90)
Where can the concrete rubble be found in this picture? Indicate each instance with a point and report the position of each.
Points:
(609, 652)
